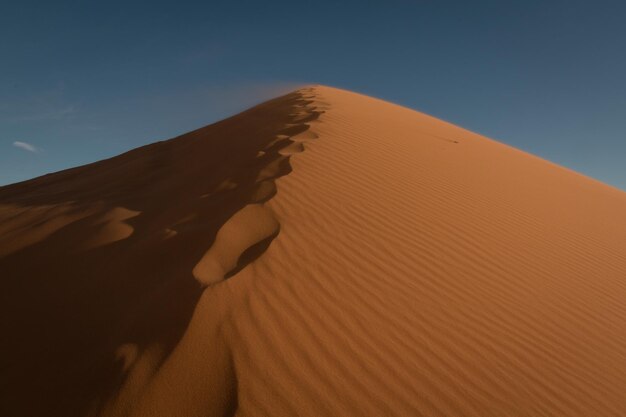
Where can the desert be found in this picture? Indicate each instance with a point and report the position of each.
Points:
(324, 253)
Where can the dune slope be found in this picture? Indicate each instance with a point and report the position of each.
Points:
(324, 253)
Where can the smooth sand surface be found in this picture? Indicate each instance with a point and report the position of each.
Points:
(322, 254)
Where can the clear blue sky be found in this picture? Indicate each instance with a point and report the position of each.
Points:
(84, 80)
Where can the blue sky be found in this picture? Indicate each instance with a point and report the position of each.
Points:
(85, 80)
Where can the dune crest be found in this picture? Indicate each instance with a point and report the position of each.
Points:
(112, 226)
(321, 254)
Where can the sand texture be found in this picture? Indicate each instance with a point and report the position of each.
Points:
(321, 254)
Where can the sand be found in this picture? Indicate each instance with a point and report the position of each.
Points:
(321, 254)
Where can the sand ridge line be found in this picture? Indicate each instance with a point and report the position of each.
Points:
(243, 238)
(250, 231)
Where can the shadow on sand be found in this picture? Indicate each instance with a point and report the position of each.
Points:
(68, 306)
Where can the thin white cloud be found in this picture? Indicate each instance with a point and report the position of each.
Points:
(25, 146)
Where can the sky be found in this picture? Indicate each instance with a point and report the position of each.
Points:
(84, 80)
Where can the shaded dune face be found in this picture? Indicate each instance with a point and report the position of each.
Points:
(102, 265)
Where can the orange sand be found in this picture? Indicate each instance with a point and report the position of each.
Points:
(322, 254)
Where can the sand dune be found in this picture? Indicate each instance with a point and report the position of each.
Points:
(321, 254)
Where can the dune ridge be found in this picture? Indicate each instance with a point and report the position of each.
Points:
(404, 267)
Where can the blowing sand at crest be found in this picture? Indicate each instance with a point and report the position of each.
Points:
(322, 254)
